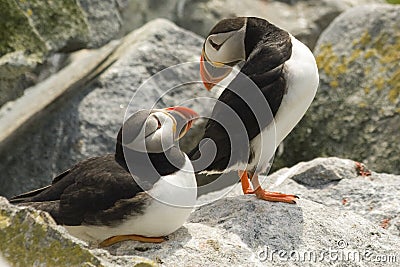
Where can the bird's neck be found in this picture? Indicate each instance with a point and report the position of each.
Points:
(148, 165)
(267, 47)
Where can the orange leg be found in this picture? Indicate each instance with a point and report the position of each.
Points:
(261, 193)
(271, 196)
(244, 179)
(119, 238)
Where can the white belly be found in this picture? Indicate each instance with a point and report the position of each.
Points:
(174, 199)
(302, 79)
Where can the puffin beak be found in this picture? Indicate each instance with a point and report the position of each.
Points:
(212, 72)
(183, 118)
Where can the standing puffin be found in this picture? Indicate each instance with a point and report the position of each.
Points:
(281, 74)
(144, 192)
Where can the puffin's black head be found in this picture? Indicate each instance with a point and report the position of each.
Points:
(156, 130)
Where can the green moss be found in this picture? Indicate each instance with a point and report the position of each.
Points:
(385, 47)
(334, 83)
(57, 22)
(326, 59)
(28, 243)
(393, 1)
(16, 34)
(362, 105)
(379, 83)
(369, 53)
(394, 83)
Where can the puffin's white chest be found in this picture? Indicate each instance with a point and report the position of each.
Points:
(174, 197)
(302, 82)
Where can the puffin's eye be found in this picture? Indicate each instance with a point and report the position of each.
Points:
(158, 123)
(214, 45)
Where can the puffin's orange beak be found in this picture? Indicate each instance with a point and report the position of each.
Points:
(184, 118)
(212, 72)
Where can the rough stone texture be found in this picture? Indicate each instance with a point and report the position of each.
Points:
(305, 19)
(336, 183)
(104, 21)
(32, 30)
(356, 110)
(234, 230)
(135, 13)
(32, 238)
(60, 24)
(20, 50)
(374, 197)
(242, 230)
(86, 123)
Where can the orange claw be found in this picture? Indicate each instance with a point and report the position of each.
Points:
(275, 196)
(119, 238)
(244, 179)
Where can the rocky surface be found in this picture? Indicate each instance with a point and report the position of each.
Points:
(85, 123)
(32, 238)
(321, 230)
(239, 231)
(356, 111)
(32, 30)
(339, 184)
(234, 231)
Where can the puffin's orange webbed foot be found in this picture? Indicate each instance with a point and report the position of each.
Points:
(275, 196)
(244, 179)
(119, 238)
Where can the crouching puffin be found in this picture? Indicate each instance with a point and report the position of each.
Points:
(144, 192)
(282, 72)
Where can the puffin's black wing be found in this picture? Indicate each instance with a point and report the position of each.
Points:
(95, 191)
(26, 197)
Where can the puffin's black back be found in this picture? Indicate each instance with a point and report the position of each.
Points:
(267, 49)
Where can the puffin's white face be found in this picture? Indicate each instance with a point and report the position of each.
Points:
(221, 51)
(160, 130)
(225, 48)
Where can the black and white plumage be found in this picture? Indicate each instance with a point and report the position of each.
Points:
(285, 76)
(148, 192)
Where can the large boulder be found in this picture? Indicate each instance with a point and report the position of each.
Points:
(32, 30)
(356, 110)
(85, 121)
(305, 19)
(245, 231)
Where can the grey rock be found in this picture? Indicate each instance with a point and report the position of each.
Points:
(31, 31)
(373, 197)
(244, 231)
(306, 19)
(32, 238)
(337, 183)
(85, 122)
(104, 21)
(356, 110)
(135, 13)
